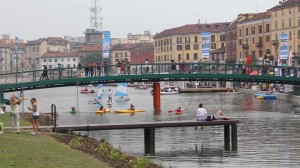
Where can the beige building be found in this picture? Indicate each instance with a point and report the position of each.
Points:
(286, 20)
(185, 43)
(121, 52)
(253, 36)
(8, 60)
(37, 48)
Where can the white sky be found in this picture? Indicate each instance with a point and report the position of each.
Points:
(33, 19)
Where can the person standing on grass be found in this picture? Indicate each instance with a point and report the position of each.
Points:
(35, 116)
(15, 116)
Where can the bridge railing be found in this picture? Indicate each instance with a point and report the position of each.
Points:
(146, 69)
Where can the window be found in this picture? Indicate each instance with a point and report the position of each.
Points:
(187, 56)
(260, 53)
(213, 46)
(253, 30)
(213, 39)
(179, 40)
(74, 59)
(253, 53)
(155, 43)
(196, 46)
(290, 22)
(276, 25)
(290, 35)
(187, 39)
(222, 37)
(170, 40)
(240, 32)
(68, 59)
(50, 60)
(167, 41)
(260, 28)
(196, 39)
(267, 38)
(222, 44)
(253, 40)
(246, 31)
(55, 60)
(187, 47)
(282, 24)
(240, 41)
(179, 56)
(267, 27)
(268, 51)
(171, 48)
(62, 60)
(196, 56)
(179, 47)
(44, 60)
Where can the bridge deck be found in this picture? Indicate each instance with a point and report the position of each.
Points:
(159, 124)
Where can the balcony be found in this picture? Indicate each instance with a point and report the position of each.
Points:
(245, 46)
(275, 42)
(259, 45)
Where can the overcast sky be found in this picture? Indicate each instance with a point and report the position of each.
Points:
(33, 19)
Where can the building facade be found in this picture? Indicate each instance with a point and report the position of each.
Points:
(75, 43)
(9, 61)
(66, 59)
(286, 20)
(121, 52)
(254, 36)
(185, 43)
(142, 52)
(37, 48)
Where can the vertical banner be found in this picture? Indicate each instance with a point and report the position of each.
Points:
(205, 44)
(284, 47)
(16, 50)
(106, 43)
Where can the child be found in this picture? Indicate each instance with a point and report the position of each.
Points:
(132, 107)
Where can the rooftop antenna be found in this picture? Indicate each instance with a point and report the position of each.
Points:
(96, 18)
(257, 6)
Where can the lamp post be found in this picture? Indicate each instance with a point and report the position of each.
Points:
(16, 57)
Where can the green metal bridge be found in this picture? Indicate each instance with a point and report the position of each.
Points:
(63, 77)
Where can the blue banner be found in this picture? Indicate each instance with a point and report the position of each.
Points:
(106, 43)
(16, 50)
(284, 46)
(205, 44)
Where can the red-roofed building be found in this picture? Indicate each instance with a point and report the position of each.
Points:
(66, 59)
(120, 52)
(142, 52)
(37, 48)
(185, 42)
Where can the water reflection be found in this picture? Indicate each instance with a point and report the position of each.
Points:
(268, 133)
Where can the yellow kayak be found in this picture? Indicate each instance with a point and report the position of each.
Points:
(128, 111)
(102, 111)
(260, 97)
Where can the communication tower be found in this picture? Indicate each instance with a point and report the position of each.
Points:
(96, 18)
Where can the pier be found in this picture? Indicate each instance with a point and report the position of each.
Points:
(230, 128)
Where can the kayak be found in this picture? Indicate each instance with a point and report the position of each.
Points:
(128, 111)
(178, 113)
(102, 111)
(72, 111)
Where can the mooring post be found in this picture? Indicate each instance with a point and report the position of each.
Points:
(149, 135)
(227, 137)
(234, 137)
(156, 96)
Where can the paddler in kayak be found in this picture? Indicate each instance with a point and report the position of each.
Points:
(132, 107)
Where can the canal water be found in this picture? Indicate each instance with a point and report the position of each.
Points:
(268, 132)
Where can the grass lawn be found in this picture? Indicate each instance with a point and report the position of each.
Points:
(24, 150)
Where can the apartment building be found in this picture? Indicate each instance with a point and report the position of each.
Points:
(37, 48)
(253, 36)
(187, 42)
(121, 52)
(286, 21)
(9, 61)
(66, 59)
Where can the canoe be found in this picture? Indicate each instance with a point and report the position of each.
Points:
(102, 111)
(128, 111)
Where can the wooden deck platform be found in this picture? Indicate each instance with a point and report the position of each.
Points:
(149, 130)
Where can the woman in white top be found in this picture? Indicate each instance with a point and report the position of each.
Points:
(35, 116)
(15, 116)
(201, 113)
